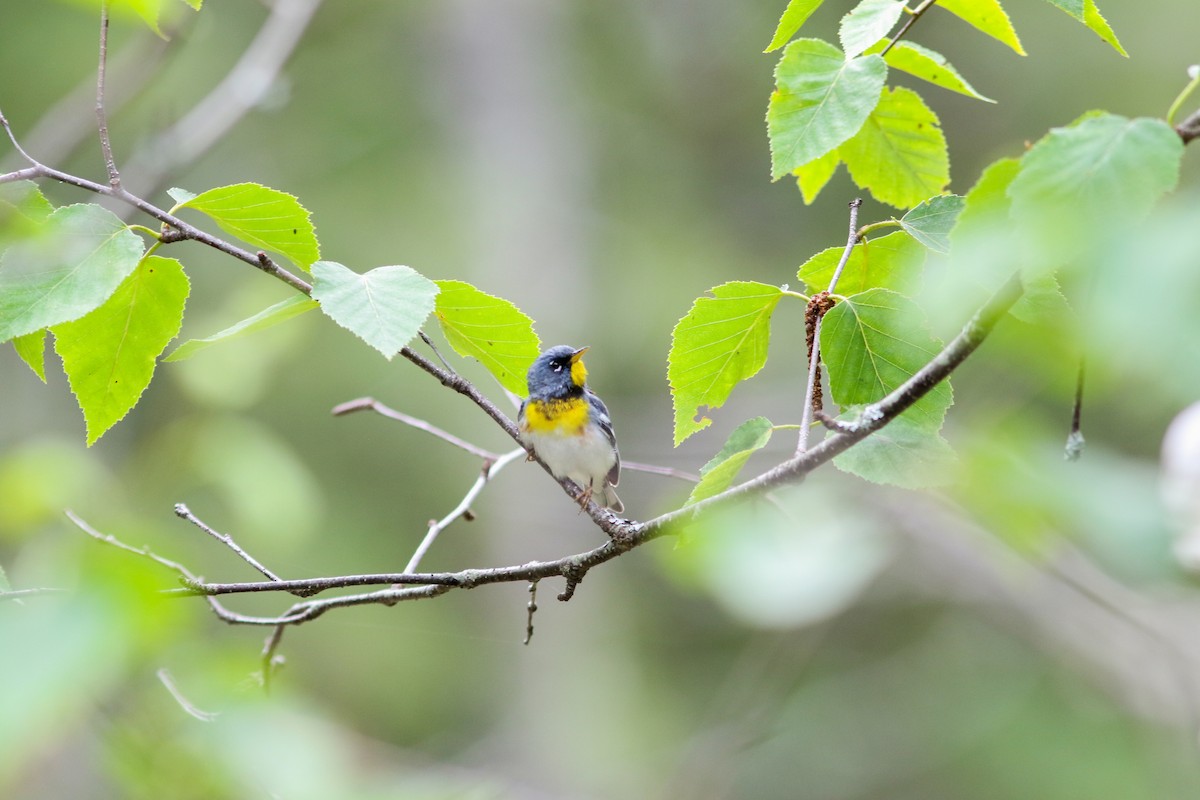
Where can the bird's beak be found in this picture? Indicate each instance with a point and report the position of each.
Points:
(578, 354)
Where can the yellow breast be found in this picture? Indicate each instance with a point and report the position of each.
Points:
(566, 416)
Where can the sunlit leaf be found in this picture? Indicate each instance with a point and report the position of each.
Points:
(900, 154)
(721, 342)
(72, 266)
(812, 177)
(795, 15)
(109, 355)
(1086, 12)
(988, 16)
(930, 222)
(719, 473)
(384, 307)
(986, 206)
(867, 23)
(889, 262)
(872, 343)
(282, 311)
(821, 100)
(928, 65)
(489, 329)
(32, 349)
(263, 217)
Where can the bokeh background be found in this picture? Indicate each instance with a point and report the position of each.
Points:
(1024, 633)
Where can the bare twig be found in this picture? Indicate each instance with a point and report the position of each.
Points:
(531, 610)
(912, 20)
(429, 343)
(1075, 440)
(814, 356)
(165, 677)
(371, 404)
(183, 512)
(491, 467)
(17, 594)
(114, 177)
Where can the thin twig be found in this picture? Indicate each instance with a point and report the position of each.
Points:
(17, 594)
(371, 404)
(165, 678)
(655, 469)
(437, 526)
(429, 342)
(114, 177)
(1075, 440)
(183, 512)
(912, 20)
(814, 356)
(531, 609)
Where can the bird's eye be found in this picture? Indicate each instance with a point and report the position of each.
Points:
(558, 367)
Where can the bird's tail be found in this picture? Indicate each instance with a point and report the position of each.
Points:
(611, 500)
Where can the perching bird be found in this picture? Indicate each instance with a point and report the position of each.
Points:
(568, 426)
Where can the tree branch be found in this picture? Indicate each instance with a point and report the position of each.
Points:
(114, 177)
(818, 311)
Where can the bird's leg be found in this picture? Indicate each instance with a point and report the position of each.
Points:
(585, 498)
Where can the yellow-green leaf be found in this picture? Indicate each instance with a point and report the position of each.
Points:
(284, 310)
(721, 342)
(821, 100)
(795, 15)
(1086, 12)
(888, 262)
(266, 218)
(109, 355)
(928, 65)
(988, 16)
(32, 349)
(719, 473)
(900, 154)
(489, 329)
(812, 177)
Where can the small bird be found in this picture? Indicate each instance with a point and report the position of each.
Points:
(566, 425)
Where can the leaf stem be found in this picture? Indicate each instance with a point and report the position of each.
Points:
(1194, 71)
(916, 15)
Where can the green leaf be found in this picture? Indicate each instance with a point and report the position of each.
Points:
(873, 342)
(930, 222)
(1085, 11)
(22, 204)
(928, 65)
(722, 341)
(795, 15)
(282, 311)
(900, 154)
(1104, 170)
(263, 217)
(987, 16)
(73, 265)
(384, 307)
(719, 473)
(903, 453)
(32, 349)
(1042, 302)
(986, 206)
(489, 329)
(109, 355)
(867, 23)
(821, 100)
(890, 262)
(812, 177)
